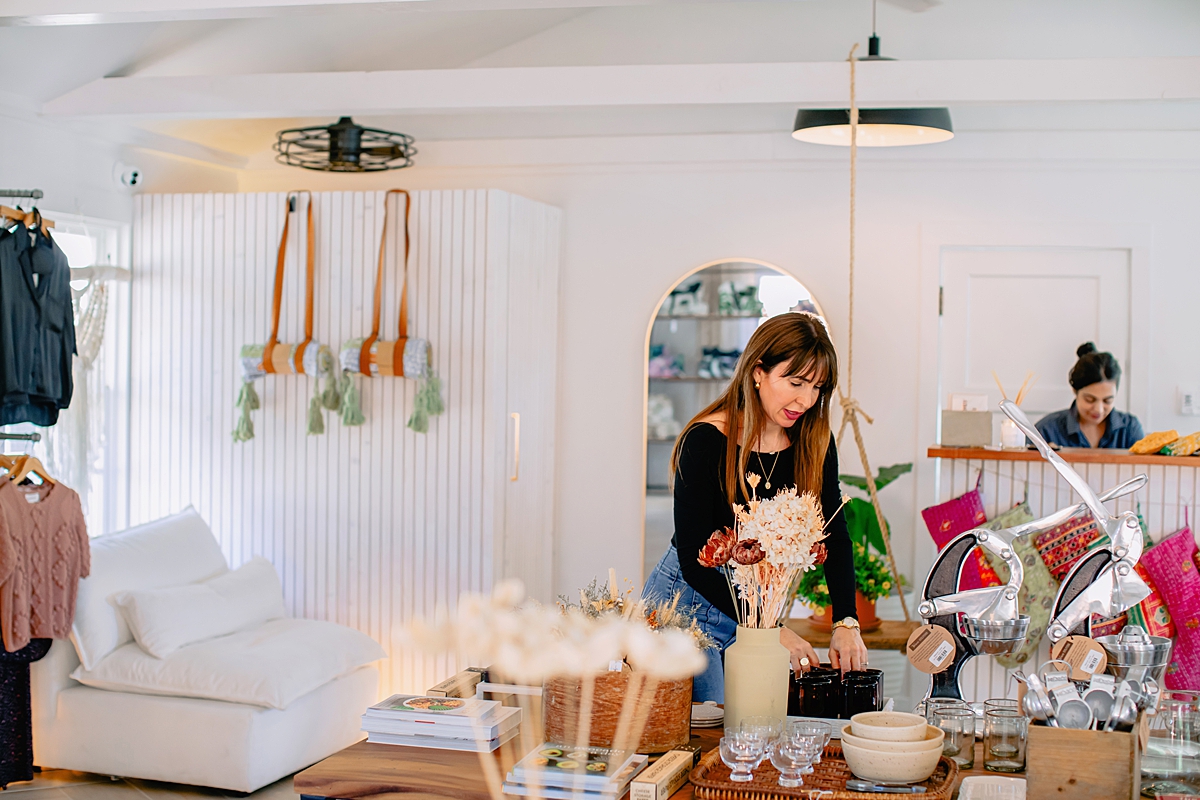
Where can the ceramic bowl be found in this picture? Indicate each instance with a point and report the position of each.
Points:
(933, 740)
(888, 726)
(873, 765)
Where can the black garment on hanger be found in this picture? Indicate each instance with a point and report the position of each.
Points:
(37, 328)
(16, 715)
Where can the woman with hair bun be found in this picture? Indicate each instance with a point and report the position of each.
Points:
(1091, 421)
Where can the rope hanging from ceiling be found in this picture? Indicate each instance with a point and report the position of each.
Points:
(851, 410)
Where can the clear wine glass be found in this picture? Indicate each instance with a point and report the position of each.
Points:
(768, 728)
(741, 754)
(820, 732)
(793, 758)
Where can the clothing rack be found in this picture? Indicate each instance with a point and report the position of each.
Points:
(34, 194)
(22, 437)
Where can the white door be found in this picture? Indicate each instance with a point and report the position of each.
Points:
(1020, 309)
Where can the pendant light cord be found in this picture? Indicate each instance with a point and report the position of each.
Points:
(850, 408)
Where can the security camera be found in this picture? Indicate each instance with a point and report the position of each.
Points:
(126, 175)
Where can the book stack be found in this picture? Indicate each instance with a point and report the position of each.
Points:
(556, 772)
(444, 723)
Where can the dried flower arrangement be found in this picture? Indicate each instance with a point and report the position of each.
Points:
(533, 643)
(597, 600)
(774, 542)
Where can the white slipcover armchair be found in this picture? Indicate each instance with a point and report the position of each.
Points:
(237, 711)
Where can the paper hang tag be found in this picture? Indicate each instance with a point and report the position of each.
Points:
(931, 649)
(1086, 656)
(1064, 693)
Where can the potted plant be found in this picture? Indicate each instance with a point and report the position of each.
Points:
(873, 578)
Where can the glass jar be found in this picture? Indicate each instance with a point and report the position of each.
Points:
(1005, 735)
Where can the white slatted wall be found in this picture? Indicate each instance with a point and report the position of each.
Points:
(365, 525)
(1168, 501)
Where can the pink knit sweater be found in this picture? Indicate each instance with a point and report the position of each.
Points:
(44, 551)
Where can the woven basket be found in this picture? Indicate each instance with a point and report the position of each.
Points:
(668, 718)
(711, 781)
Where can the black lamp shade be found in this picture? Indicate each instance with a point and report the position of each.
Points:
(877, 127)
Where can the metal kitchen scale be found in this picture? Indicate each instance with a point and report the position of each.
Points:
(987, 621)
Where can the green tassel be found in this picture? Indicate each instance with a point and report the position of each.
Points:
(330, 397)
(248, 397)
(352, 414)
(247, 401)
(433, 396)
(427, 402)
(316, 423)
(419, 421)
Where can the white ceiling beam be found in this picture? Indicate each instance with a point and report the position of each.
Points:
(823, 84)
(101, 12)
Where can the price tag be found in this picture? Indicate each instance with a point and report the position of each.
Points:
(930, 649)
(1086, 656)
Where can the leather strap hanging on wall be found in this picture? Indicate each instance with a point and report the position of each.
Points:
(406, 357)
(389, 357)
(294, 364)
(276, 358)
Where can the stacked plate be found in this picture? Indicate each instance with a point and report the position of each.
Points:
(707, 715)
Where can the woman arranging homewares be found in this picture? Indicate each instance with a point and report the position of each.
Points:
(769, 427)
(1091, 421)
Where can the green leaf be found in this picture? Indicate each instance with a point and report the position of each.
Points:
(886, 475)
(863, 525)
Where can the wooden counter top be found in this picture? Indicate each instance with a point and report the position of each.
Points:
(1076, 455)
(891, 634)
(367, 771)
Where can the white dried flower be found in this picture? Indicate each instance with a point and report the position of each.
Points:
(531, 642)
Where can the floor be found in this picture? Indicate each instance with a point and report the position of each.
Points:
(61, 784)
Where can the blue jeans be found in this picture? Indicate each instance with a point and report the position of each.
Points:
(664, 582)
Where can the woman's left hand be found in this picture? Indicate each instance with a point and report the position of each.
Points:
(846, 650)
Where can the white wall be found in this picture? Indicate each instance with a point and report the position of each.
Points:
(631, 229)
(73, 165)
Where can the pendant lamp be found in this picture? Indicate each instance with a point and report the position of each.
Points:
(877, 127)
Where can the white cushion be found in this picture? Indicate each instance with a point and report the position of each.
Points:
(164, 620)
(172, 551)
(270, 665)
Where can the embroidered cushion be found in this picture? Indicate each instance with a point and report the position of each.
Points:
(1037, 590)
(947, 520)
(1062, 546)
(1171, 565)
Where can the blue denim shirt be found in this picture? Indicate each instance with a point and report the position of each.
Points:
(1062, 428)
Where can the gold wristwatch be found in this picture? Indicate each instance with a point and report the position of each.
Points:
(848, 622)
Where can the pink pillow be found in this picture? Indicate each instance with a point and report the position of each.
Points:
(949, 519)
(1171, 564)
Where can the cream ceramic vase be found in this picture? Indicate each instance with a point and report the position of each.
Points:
(756, 676)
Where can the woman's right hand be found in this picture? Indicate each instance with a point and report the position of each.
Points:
(799, 649)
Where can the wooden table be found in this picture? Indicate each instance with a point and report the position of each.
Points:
(367, 771)
(890, 635)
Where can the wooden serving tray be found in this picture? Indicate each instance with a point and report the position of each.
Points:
(711, 781)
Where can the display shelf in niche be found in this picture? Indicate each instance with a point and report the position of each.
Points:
(690, 379)
(707, 317)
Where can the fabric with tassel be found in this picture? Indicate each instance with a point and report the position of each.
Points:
(351, 408)
(426, 403)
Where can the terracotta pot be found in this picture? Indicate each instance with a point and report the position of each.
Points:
(865, 608)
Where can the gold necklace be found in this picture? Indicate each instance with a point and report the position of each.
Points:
(767, 482)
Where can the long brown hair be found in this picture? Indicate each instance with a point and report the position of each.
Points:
(801, 340)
